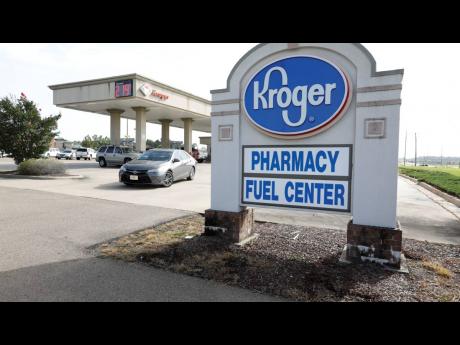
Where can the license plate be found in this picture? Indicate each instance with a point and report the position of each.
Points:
(134, 178)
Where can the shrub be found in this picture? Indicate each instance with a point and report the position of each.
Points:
(39, 167)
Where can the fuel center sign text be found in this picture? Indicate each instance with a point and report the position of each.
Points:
(311, 177)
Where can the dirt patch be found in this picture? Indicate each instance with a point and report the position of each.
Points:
(296, 262)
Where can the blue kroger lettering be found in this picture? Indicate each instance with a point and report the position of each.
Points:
(296, 96)
(315, 95)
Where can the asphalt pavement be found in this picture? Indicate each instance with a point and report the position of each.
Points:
(44, 253)
(423, 215)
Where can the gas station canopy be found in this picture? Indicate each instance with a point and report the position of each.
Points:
(128, 93)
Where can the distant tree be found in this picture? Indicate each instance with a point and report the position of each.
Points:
(95, 141)
(23, 132)
(153, 144)
(87, 142)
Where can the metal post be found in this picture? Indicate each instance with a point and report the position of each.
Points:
(415, 149)
(441, 156)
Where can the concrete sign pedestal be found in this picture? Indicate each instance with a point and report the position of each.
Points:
(384, 245)
(231, 226)
(313, 127)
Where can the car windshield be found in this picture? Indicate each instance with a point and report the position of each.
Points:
(67, 151)
(127, 150)
(158, 156)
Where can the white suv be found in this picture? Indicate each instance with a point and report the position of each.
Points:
(86, 154)
(115, 155)
(52, 152)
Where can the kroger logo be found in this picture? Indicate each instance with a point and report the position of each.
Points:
(297, 96)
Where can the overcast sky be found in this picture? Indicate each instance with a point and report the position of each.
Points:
(431, 86)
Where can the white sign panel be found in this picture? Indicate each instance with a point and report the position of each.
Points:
(312, 177)
(312, 161)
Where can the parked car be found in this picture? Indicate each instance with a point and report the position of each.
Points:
(66, 154)
(115, 155)
(52, 152)
(85, 153)
(200, 152)
(92, 153)
(159, 167)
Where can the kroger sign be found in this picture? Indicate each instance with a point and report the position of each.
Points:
(297, 96)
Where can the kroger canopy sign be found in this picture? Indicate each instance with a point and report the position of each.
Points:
(296, 97)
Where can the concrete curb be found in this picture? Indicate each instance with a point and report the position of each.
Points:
(434, 190)
(16, 176)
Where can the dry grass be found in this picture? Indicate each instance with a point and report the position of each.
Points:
(152, 240)
(41, 167)
(305, 269)
(438, 269)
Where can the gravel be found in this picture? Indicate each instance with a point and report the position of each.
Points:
(297, 262)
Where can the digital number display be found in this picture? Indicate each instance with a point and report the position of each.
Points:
(123, 88)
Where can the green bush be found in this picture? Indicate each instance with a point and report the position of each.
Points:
(39, 167)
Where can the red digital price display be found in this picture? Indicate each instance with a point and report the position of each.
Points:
(123, 88)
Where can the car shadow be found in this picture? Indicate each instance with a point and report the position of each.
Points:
(122, 186)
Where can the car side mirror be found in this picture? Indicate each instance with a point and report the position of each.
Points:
(175, 160)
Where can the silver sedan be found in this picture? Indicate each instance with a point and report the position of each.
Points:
(159, 167)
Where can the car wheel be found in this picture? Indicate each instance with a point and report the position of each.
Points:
(168, 179)
(78, 158)
(191, 176)
(102, 163)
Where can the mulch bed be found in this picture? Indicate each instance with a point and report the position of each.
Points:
(295, 262)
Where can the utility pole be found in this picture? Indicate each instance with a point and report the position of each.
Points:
(415, 148)
(441, 156)
(405, 147)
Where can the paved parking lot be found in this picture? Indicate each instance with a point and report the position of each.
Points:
(102, 183)
(422, 215)
(44, 253)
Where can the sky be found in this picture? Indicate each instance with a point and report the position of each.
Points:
(430, 96)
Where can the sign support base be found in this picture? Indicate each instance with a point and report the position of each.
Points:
(375, 244)
(232, 226)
